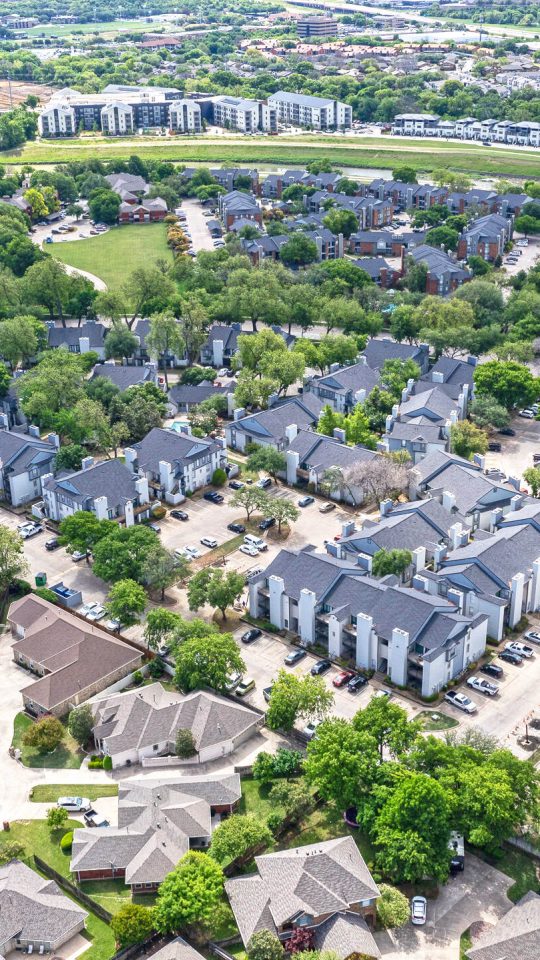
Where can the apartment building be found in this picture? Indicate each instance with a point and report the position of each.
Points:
(247, 116)
(185, 117)
(316, 112)
(486, 237)
(118, 110)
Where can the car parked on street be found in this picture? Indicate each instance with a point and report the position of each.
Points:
(460, 700)
(30, 530)
(236, 485)
(244, 687)
(327, 507)
(310, 729)
(267, 523)
(483, 686)
(294, 657)
(248, 550)
(213, 497)
(96, 614)
(522, 649)
(532, 636)
(52, 544)
(527, 414)
(264, 483)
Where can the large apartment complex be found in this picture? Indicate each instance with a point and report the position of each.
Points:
(316, 112)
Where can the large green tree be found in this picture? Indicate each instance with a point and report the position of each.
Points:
(189, 894)
(412, 831)
(296, 698)
(126, 601)
(389, 725)
(132, 924)
(511, 383)
(164, 340)
(216, 588)
(238, 834)
(207, 661)
(341, 761)
(12, 559)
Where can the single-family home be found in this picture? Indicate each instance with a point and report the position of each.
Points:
(139, 725)
(124, 376)
(106, 488)
(158, 822)
(72, 658)
(515, 936)
(343, 387)
(174, 464)
(275, 427)
(35, 915)
(310, 888)
(90, 336)
(25, 460)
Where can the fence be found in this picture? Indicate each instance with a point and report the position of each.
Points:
(72, 889)
(149, 946)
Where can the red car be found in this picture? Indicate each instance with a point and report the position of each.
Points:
(343, 678)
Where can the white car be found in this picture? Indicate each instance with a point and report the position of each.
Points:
(30, 530)
(113, 624)
(193, 552)
(532, 636)
(182, 553)
(461, 701)
(249, 551)
(88, 607)
(527, 413)
(418, 911)
(521, 649)
(483, 686)
(74, 804)
(96, 614)
(224, 372)
(310, 729)
(209, 542)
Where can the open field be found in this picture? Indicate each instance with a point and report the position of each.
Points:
(115, 254)
(359, 151)
(107, 28)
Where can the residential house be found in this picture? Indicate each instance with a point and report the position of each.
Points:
(88, 337)
(124, 376)
(275, 427)
(343, 387)
(178, 949)
(239, 206)
(309, 888)
(444, 275)
(35, 915)
(107, 489)
(378, 350)
(159, 821)
(415, 638)
(72, 658)
(311, 454)
(184, 396)
(486, 237)
(515, 936)
(139, 725)
(174, 464)
(144, 211)
(25, 460)
(453, 376)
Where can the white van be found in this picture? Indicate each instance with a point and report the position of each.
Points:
(256, 542)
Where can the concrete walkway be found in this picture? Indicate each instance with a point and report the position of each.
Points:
(97, 281)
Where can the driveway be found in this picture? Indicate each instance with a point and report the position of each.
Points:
(479, 893)
(197, 225)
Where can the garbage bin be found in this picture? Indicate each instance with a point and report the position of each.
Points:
(41, 579)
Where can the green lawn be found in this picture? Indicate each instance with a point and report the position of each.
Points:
(115, 254)
(517, 865)
(66, 756)
(465, 944)
(433, 720)
(361, 151)
(49, 792)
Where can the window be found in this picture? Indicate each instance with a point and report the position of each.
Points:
(155, 746)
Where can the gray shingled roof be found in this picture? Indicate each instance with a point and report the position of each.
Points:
(108, 478)
(173, 447)
(70, 336)
(19, 451)
(272, 423)
(177, 950)
(33, 908)
(416, 525)
(320, 452)
(516, 936)
(359, 376)
(124, 376)
(344, 934)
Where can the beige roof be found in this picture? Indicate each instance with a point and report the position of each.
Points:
(516, 936)
(344, 934)
(33, 908)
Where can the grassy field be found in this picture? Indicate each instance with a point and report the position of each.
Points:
(49, 792)
(66, 756)
(115, 254)
(106, 29)
(433, 720)
(359, 151)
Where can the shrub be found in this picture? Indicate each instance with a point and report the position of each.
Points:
(219, 477)
(95, 764)
(392, 907)
(45, 735)
(137, 678)
(156, 668)
(80, 724)
(12, 850)
(274, 822)
(264, 945)
(107, 763)
(158, 513)
(185, 744)
(66, 842)
(46, 594)
(57, 817)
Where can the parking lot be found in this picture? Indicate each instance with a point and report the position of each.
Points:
(516, 452)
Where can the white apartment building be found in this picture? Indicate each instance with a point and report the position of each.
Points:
(247, 116)
(58, 119)
(117, 119)
(316, 112)
(185, 116)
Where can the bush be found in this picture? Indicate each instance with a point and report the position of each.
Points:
(392, 907)
(95, 764)
(158, 513)
(66, 842)
(185, 744)
(45, 735)
(219, 477)
(20, 588)
(137, 678)
(264, 945)
(46, 594)
(12, 850)
(274, 822)
(57, 817)
(156, 668)
(80, 724)
(107, 763)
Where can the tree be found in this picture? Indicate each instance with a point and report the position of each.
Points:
(12, 559)
(387, 562)
(57, 818)
(104, 206)
(160, 627)
(189, 894)
(55, 383)
(185, 744)
(329, 420)
(237, 835)
(46, 283)
(122, 554)
(466, 438)
(395, 374)
(532, 476)
(284, 511)
(207, 661)
(81, 724)
(18, 339)
(45, 735)
(444, 237)
(333, 483)
(341, 762)
(12, 850)
(82, 531)
(511, 383)
(126, 600)
(252, 392)
(75, 210)
(404, 174)
(357, 428)
(161, 568)
(216, 588)
(379, 478)
(120, 342)
(341, 221)
(297, 697)
(295, 798)
(36, 202)
(284, 369)
(486, 300)
(252, 499)
(388, 724)
(254, 349)
(298, 251)
(164, 340)
(132, 924)
(486, 411)
(392, 907)
(269, 460)
(148, 290)
(264, 945)
(412, 831)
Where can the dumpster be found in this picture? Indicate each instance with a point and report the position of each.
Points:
(41, 579)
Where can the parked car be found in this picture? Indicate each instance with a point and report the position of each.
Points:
(236, 527)
(522, 649)
(510, 657)
(209, 542)
(248, 550)
(310, 729)
(494, 446)
(94, 819)
(88, 607)
(532, 636)
(342, 678)
(74, 804)
(418, 910)
(155, 527)
(507, 432)
(236, 485)
(327, 507)
(250, 635)
(113, 624)
(78, 555)
(213, 497)
(96, 614)
(320, 667)
(179, 515)
(233, 681)
(30, 530)
(264, 483)
(306, 501)
(267, 523)
(356, 683)
(267, 693)
(294, 657)
(460, 700)
(492, 670)
(527, 413)
(244, 687)
(52, 544)
(193, 552)
(382, 693)
(483, 686)
(223, 372)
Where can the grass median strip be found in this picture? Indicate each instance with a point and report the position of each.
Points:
(49, 792)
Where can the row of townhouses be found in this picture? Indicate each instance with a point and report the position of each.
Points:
(468, 128)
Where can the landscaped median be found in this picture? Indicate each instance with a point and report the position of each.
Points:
(49, 792)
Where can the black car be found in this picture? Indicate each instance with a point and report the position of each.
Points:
(507, 432)
(179, 515)
(492, 670)
(356, 683)
(236, 527)
(236, 485)
(52, 544)
(320, 667)
(494, 446)
(267, 523)
(510, 657)
(250, 635)
(213, 497)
